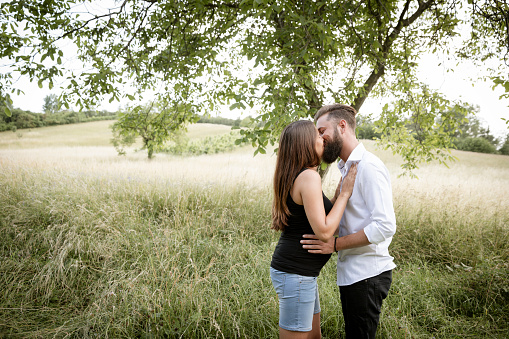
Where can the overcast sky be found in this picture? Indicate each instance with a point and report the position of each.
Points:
(457, 85)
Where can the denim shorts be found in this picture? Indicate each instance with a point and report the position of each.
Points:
(298, 300)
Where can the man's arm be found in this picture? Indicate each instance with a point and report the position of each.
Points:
(313, 245)
(377, 193)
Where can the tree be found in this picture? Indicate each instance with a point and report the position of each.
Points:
(489, 40)
(479, 145)
(366, 129)
(285, 58)
(155, 123)
(247, 122)
(51, 104)
(469, 134)
(505, 146)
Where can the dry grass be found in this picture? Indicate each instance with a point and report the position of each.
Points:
(94, 244)
(225, 169)
(85, 148)
(472, 180)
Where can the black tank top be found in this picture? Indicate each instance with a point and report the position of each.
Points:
(289, 256)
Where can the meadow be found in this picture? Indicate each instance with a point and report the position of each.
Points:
(94, 245)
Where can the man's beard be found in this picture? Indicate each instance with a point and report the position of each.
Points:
(332, 148)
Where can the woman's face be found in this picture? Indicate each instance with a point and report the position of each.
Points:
(319, 144)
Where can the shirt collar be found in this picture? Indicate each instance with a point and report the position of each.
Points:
(355, 156)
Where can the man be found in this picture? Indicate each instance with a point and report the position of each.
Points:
(364, 267)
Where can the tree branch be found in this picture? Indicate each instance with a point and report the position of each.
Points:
(90, 20)
(379, 69)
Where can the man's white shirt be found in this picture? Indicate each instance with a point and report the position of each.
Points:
(370, 208)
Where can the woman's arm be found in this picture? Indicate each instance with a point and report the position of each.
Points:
(308, 187)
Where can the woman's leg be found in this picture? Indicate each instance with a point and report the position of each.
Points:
(298, 304)
(285, 334)
(315, 333)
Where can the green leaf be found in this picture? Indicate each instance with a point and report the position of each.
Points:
(303, 53)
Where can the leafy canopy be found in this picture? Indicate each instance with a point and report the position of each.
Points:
(284, 59)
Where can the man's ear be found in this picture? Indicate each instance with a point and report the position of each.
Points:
(342, 125)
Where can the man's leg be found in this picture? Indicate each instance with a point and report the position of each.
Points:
(362, 302)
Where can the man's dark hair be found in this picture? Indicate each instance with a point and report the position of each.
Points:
(338, 112)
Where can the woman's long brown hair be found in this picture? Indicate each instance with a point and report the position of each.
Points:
(296, 151)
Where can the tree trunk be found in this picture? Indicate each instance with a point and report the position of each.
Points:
(379, 70)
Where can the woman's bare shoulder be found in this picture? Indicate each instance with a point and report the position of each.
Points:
(308, 175)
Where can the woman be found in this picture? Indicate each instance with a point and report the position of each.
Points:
(300, 207)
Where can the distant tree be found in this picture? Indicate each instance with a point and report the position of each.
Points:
(468, 132)
(366, 128)
(480, 145)
(472, 127)
(208, 119)
(51, 104)
(155, 123)
(466, 121)
(247, 122)
(27, 119)
(486, 134)
(505, 146)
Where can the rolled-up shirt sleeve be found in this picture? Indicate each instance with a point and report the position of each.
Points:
(377, 193)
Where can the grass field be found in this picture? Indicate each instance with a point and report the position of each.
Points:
(95, 133)
(97, 245)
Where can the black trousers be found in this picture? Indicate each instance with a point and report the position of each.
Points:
(362, 302)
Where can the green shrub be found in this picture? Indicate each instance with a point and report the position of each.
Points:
(207, 145)
(480, 145)
(28, 120)
(218, 121)
(367, 132)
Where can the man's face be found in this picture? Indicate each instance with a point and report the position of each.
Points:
(333, 143)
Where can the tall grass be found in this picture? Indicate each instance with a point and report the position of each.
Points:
(95, 245)
(85, 255)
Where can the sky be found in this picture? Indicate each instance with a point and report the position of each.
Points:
(458, 86)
